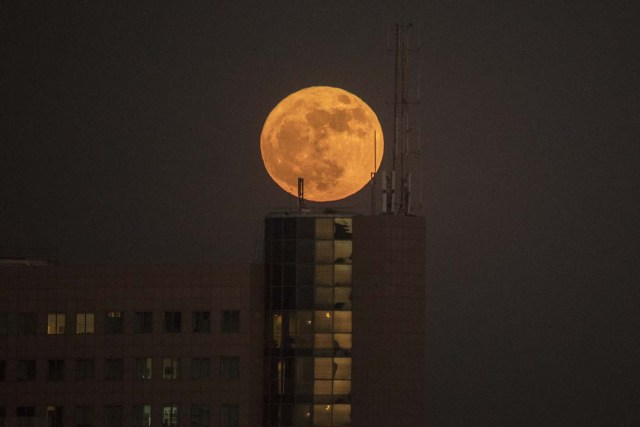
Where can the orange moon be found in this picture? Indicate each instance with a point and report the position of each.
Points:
(326, 136)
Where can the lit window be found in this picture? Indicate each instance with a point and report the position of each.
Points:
(200, 415)
(85, 369)
(55, 323)
(230, 368)
(170, 416)
(113, 369)
(84, 416)
(54, 416)
(55, 370)
(27, 323)
(113, 416)
(231, 321)
(230, 415)
(85, 323)
(143, 322)
(26, 370)
(172, 321)
(144, 368)
(200, 368)
(170, 369)
(113, 322)
(142, 416)
(26, 416)
(201, 321)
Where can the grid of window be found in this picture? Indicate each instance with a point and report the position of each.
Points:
(55, 370)
(144, 369)
(170, 416)
(25, 416)
(113, 322)
(54, 416)
(172, 321)
(200, 368)
(143, 322)
(201, 321)
(142, 416)
(230, 415)
(170, 369)
(85, 323)
(230, 321)
(55, 324)
(200, 415)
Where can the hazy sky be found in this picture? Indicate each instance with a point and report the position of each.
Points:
(131, 134)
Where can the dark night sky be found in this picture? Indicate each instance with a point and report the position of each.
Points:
(131, 134)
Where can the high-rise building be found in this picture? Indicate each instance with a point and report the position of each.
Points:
(345, 320)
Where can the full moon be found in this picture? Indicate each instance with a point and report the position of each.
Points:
(325, 135)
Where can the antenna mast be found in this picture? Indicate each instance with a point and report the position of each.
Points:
(398, 198)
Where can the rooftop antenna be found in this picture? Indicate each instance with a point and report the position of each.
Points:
(399, 202)
(300, 194)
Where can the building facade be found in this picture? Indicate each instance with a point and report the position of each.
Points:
(131, 346)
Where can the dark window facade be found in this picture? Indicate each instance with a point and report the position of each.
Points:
(231, 321)
(143, 322)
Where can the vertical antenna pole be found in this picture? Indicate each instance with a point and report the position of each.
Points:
(300, 194)
(373, 175)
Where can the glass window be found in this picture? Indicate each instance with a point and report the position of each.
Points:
(202, 321)
(324, 228)
(84, 416)
(341, 415)
(113, 322)
(4, 323)
(113, 416)
(113, 369)
(144, 368)
(302, 415)
(342, 321)
(143, 322)
(342, 368)
(55, 370)
(324, 368)
(342, 387)
(26, 416)
(230, 415)
(85, 323)
(170, 368)
(54, 416)
(301, 329)
(342, 275)
(342, 252)
(324, 321)
(322, 387)
(27, 323)
(342, 299)
(324, 252)
(322, 415)
(170, 416)
(200, 415)
(172, 321)
(85, 369)
(230, 368)
(324, 275)
(324, 297)
(142, 416)
(3, 370)
(55, 323)
(341, 344)
(200, 368)
(343, 227)
(26, 370)
(231, 321)
(323, 341)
